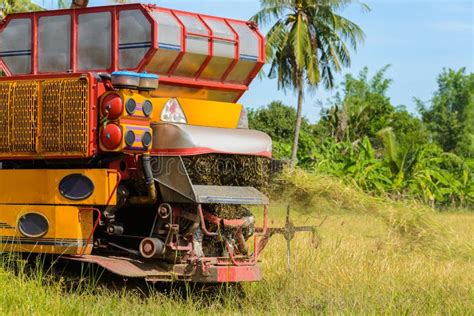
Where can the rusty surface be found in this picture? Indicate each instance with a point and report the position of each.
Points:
(205, 271)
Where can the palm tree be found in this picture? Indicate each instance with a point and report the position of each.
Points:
(306, 45)
(12, 6)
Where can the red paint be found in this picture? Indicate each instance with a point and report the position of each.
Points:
(203, 84)
(111, 136)
(210, 47)
(236, 53)
(201, 151)
(112, 106)
(169, 76)
(238, 274)
(176, 62)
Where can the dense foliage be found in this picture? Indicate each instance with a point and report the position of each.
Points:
(12, 6)
(365, 140)
(308, 42)
(450, 114)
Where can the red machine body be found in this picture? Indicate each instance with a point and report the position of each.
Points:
(196, 55)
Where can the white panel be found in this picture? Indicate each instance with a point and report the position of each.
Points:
(169, 31)
(15, 46)
(197, 47)
(193, 24)
(249, 44)
(134, 38)
(94, 41)
(219, 28)
(223, 50)
(54, 48)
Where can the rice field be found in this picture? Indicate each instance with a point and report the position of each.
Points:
(376, 260)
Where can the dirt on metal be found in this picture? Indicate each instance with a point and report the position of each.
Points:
(229, 170)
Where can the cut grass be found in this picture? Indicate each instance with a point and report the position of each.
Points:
(375, 257)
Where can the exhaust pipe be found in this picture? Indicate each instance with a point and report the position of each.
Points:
(152, 196)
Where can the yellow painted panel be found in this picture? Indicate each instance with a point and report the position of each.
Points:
(197, 112)
(68, 231)
(138, 130)
(202, 112)
(127, 94)
(41, 186)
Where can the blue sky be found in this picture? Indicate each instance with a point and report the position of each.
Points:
(416, 37)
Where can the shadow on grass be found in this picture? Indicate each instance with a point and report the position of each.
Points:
(90, 279)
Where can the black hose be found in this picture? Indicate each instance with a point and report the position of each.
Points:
(150, 183)
(146, 164)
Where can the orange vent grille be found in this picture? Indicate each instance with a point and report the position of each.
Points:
(47, 117)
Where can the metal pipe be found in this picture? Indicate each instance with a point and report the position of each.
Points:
(152, 196)
(203, 223)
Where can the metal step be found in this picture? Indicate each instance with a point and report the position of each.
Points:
(212, 194)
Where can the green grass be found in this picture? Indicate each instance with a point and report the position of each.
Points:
(374, 257)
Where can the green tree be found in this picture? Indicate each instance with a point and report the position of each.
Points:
(276, 120)
(409, 130)
(450, 115)
(12, 6)
(307, 44)
(363, 108)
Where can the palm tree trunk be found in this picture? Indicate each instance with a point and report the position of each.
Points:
(78, 4)
(299, 116)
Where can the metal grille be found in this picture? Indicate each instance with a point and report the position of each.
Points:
(5, 89)
(19, 112)
(44, 117)
(65, 116)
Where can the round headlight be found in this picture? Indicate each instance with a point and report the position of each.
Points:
(33, 225)
(146, 139)
(129, 138)
(131, 106)
(147, 108)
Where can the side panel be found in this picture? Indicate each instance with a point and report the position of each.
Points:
(43, 186)
(68, 229)
(202, 112)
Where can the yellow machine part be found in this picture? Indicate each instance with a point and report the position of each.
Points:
(42, 186)
(125, 95)
(202, 113)
(197, 112)
(45, 117)
(138, 130)
(67, 232)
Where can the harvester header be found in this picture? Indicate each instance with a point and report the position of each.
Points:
(195, 55)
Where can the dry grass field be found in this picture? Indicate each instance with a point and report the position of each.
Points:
(374, 257)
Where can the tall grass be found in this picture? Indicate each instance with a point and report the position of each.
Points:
(375, 257)
(409, 222)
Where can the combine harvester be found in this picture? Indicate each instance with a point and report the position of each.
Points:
(122, 145)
